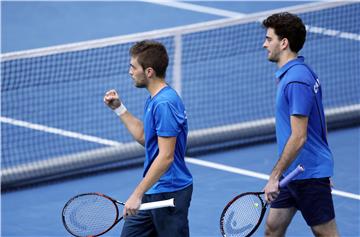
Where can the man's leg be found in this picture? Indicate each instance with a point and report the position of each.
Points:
(282, 210)
(327, 229)
(317, 207)
(173, 221)
(139, 225)
(278, 220)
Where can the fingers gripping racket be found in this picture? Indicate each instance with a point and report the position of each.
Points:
(93, 214)
(243, 214)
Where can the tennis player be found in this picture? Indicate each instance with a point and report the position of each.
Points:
(163, 133)
(300, 132)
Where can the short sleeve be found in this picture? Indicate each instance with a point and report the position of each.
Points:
(167, 120)
(300, 97)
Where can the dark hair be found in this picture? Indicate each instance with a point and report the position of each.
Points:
(289, 26)
(151, 54)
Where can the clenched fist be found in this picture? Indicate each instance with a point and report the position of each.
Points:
(112, 99)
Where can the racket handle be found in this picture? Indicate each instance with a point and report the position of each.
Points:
(158, 204)
(290, 176)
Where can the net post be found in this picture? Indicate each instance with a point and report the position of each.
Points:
(177, 63)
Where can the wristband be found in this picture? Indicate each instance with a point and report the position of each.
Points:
(120, 110)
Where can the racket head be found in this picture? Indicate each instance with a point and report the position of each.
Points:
(242, 215)
(90, 214)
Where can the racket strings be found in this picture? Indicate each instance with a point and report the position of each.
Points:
(242, 216)
(89, 215)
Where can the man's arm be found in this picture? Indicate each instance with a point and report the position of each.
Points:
(133, 124)
(159, 166)
(294, 144)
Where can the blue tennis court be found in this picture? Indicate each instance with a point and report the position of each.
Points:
(39, 208)
(53, 124)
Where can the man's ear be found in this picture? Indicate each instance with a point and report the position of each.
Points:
(149, 72)
(284, 43)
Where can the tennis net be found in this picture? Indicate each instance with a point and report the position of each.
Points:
(54, 122)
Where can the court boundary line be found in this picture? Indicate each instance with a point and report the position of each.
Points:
(13, 173)
(232, 14)
(253, 174)
(193, 134)
(197, 8)
(60, 132)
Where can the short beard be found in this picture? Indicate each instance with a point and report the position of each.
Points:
(143, 83)
(140, 85)
(274, 58)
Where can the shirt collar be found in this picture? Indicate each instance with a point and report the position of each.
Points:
(281, 71)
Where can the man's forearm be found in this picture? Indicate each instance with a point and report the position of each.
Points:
(134, 126)
(291, 150)
(160, 165)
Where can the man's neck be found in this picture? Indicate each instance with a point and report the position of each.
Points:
(156, 85)
(286, 57)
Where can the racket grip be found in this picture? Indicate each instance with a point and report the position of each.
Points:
(290, 176)
(158, 204)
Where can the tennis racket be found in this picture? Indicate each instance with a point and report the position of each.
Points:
(243, 214)
(94, 214)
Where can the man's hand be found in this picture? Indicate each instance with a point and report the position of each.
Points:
(112, 99)
(132, 206)
(271, 190)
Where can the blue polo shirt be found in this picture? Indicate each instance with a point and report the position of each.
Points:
(165, 116)
(299, 93)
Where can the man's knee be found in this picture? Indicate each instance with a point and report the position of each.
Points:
(272, 228)
(278, 220)
(327, 229)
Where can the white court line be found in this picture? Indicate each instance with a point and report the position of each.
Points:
(197, 8)
(60, 132)
(255, 174)
(332, 33)
(107, 142)
(232, 14)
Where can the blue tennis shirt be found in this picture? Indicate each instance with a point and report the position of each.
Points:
(165, 116)
(299, 93)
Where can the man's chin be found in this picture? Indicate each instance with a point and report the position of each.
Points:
(140, 85)
(272, 60)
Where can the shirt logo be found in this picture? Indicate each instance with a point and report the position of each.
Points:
(316, 86)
